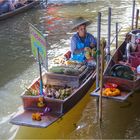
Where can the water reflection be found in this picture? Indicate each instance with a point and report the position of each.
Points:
(15, 54)
(120, 121)
(15, 60)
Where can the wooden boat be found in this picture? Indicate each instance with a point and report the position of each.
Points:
(123, 74)
(62, 128)
(79, 85)
(19, 10)
(69, 1)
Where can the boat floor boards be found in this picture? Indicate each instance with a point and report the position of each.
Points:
(124, 95)
(25, 119)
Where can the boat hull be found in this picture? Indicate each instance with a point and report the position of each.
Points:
(19, 10)
(59, 107)
(60, 129)
(126, 85)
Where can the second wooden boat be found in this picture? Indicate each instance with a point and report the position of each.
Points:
(121, 73)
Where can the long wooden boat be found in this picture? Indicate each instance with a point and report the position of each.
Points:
(122, 74)
(57, 107)
(19, 10)
(62, 128)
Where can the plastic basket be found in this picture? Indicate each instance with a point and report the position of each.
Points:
(138, 48)
(135, 59)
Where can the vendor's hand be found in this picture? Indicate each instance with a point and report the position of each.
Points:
(87, 49)
(92, 45)
(79, 50)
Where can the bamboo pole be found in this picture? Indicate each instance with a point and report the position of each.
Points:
(109, 32)
(98, 59)
(133, 12)
(101, 80)
(98, 49)
(137, 18)
(116, 35)
(40, 71)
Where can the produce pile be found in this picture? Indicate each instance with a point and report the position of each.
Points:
(51, 91)
(58, 92)
(71, 68)
(111, 90)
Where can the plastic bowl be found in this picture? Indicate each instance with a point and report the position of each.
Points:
(110, 85)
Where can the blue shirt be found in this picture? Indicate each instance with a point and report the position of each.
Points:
(77, 43)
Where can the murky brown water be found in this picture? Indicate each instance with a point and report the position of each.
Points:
(18, 68)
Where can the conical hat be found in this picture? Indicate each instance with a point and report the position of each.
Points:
(79, 21)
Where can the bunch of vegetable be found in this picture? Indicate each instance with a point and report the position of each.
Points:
(74, 69)
(41, 102)
(31, 92)
(57, 92)
(90, 53)
(111, 90)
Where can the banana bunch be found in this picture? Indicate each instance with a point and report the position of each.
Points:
(31, 92)
(87, 53)
(41, 102)
(111, 92)
(64, 93)
(70, 62)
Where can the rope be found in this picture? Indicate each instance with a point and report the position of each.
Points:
(115, 36)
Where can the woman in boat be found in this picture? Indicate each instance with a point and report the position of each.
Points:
(82, 41)
(131, 46)
(6, 6)
(18, 3)
(21, 3)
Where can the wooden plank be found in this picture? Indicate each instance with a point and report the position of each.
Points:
(25, 119)
(63, 79)
(84, 72)
(124, 95)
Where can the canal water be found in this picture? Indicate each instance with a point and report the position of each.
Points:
(18, 67)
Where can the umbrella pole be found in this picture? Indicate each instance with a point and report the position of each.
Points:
(137, 18)
(40, 71)
(109, 32)
(116, 35)
(98, 59)
(133, 13)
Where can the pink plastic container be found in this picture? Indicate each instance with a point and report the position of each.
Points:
(135, 59)
(110, 85)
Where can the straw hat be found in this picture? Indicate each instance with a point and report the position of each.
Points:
(79, 21)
